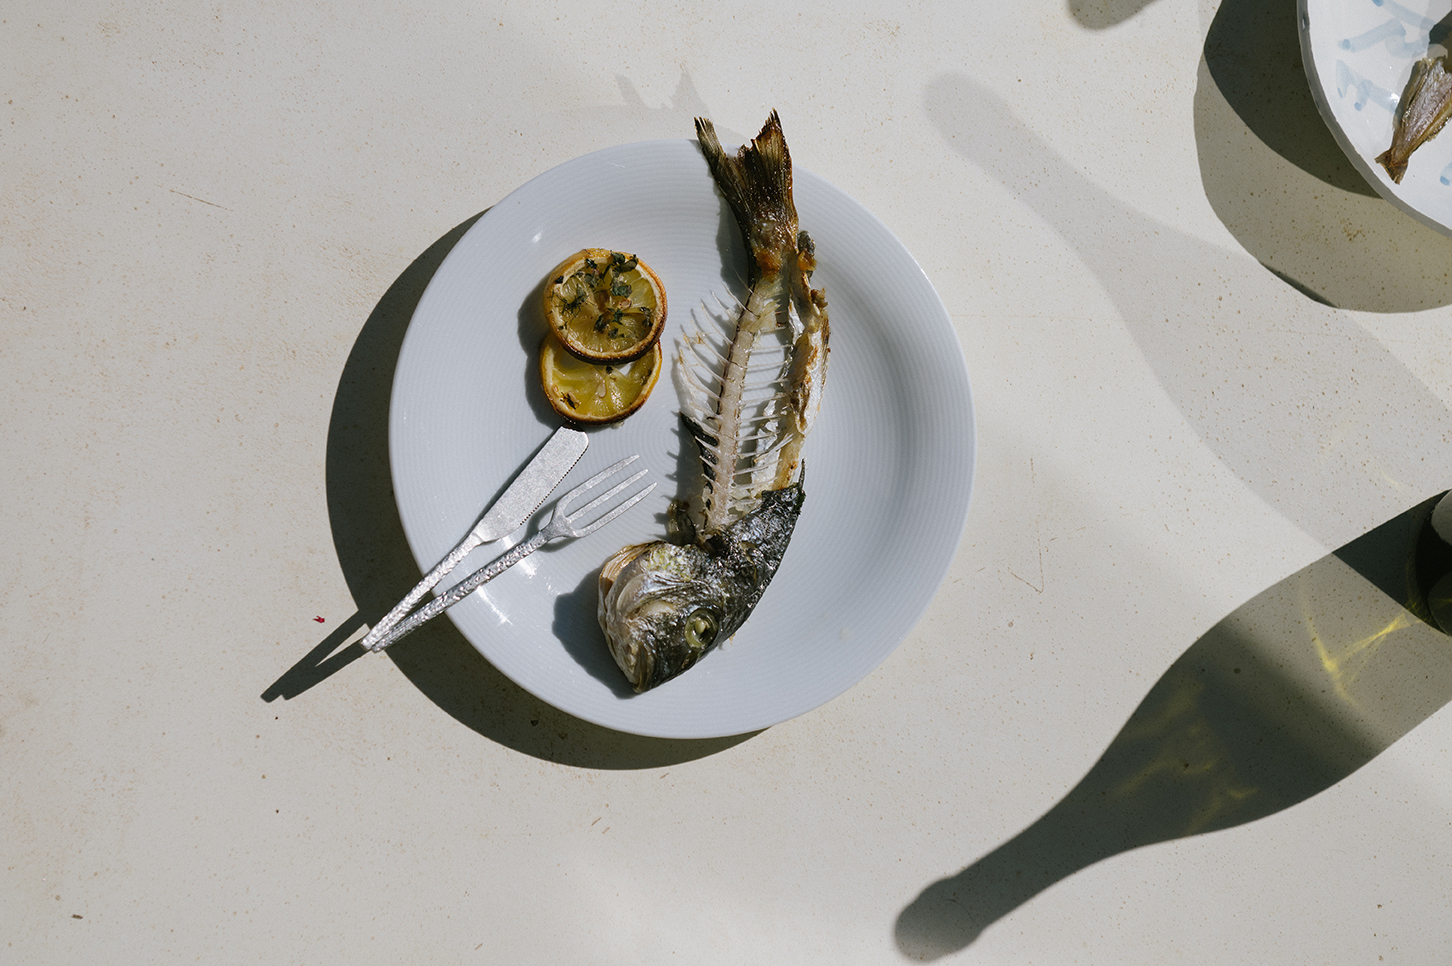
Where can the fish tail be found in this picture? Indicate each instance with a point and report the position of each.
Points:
(757, 183)
(1395, 166)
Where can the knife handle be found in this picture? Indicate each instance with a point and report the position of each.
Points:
(461, 590)
(549, 465)
(374, 639)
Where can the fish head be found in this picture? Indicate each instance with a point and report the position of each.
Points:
(663, 606)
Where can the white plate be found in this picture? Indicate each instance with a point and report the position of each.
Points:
(889, 465)
(1358, 56)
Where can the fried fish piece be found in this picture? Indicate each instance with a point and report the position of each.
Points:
(1423, 109)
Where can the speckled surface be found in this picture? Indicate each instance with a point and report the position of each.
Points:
(1170, 703)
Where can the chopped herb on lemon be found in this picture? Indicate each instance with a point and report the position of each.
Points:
(605, 306)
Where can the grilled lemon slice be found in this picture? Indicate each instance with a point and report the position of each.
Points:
(589, 392)
(605, 306)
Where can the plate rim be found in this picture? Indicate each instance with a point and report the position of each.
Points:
(936, 317)
(1369, 170)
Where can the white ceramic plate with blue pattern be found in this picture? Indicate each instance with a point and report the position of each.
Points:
(1359, 55)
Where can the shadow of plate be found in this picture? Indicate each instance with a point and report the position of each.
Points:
(377, 564)
(1103, 14)
(1279, 182)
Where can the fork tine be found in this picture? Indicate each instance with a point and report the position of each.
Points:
(561, 524)
(597, 524)
(584, 487)
(604, 496)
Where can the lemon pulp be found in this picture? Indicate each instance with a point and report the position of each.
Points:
(605, 306)
(590, 392)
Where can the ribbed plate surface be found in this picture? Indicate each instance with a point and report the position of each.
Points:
(889, 466)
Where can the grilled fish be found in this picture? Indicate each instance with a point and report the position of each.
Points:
(663, 605)
(1424, 107)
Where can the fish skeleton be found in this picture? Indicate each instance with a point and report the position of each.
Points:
(665, 604)
(1424, 107)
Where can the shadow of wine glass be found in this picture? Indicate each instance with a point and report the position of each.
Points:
(1313, 414)
(1293, 691)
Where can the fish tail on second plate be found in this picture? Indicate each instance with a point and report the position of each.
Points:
(1421, 112)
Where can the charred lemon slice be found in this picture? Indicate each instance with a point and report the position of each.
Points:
(605, 306)
(591, 392)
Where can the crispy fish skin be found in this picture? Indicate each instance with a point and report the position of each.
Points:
(663, 605)
(671, 603)
(1425, 105)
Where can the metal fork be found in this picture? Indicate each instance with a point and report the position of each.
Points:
(562, 523)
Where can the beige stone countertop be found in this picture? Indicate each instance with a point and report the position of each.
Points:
(1176, 700)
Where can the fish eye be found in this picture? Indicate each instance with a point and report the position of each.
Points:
(702, 626)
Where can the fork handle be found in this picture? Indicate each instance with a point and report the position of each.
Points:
(374, 639)
(461, 590)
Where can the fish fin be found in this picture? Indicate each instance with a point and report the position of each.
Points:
(757, 183)
(1396, 168)
(680, 527)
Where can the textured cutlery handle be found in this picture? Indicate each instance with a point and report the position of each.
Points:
(461, 590)
(374, 640)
